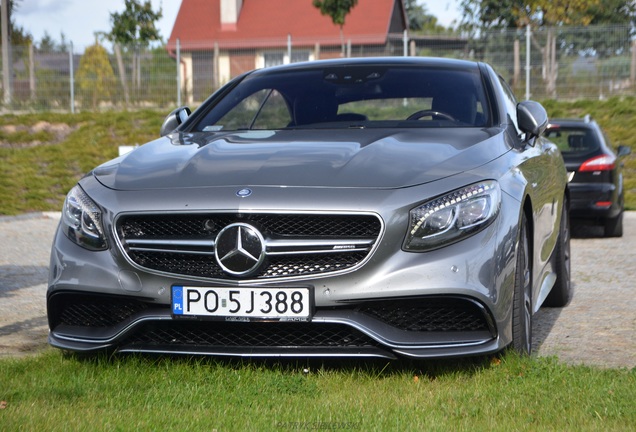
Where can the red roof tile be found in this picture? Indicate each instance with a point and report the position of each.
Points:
(268, 22)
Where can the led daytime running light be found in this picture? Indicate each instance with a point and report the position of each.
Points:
(453, 216)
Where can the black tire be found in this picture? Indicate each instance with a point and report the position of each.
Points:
(562, 290)
(522, 298)
(614, 226)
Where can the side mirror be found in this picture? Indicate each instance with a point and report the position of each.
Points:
(174, 119)
(623, 151)
(532, 118)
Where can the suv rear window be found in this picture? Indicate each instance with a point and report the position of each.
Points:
(573, 140)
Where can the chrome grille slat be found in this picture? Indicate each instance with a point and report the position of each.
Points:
(183, 243)
(295, 244)
(317, 251)
(188, 252)
(318, 243)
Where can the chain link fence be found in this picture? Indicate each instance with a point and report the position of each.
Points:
(553, 63)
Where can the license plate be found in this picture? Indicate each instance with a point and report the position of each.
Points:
(242, 304)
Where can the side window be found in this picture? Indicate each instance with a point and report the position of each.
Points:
(265, 109)
(510, 101)
(274, 113)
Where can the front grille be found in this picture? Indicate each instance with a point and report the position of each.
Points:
(295, 244)
(255, 334)
(429, 314)
(92, 311)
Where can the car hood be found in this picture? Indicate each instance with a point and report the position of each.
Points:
(303, 158)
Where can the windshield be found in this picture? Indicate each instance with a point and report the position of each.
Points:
(352, 97)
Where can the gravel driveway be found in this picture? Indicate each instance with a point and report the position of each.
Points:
(598, 327)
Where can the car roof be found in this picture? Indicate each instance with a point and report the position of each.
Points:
(586, 121)
(433, 62)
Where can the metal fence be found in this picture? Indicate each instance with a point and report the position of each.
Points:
(554, 63)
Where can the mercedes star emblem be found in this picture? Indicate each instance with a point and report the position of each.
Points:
(240, 249)
(244, 193)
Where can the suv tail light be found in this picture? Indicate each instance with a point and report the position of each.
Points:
(599, 163)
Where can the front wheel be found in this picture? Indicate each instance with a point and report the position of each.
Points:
(522, 298)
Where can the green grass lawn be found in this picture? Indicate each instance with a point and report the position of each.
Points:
(40, 163)
(53, 391)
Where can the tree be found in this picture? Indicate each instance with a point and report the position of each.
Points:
(550, 15)
(11, 35)
(17, 34)
(134, 28)
(487, 15)
(337, 10)
(421, 21)
(498, 14)
(46, 43)
(95, 76)
(598, 42)
(136, 24)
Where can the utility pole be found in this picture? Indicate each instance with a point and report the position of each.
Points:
(6, 52)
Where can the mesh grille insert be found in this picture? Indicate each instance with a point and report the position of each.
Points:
(183, 244)
(92, 311)
(428, 315)
(257, 334)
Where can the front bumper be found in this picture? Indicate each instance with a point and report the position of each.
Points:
(415, 327)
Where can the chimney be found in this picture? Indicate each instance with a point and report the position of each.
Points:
(230, 11)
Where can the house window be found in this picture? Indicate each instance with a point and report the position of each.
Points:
(299, 56)
(275, 58)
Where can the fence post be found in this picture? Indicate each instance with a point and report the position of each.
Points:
(289, 47)
(405, 44)
(31, 73)
(632, 72)
(178, 72)
(72, 78)
(7, 67)
(216, 69)
(516, 63)
(528, 35)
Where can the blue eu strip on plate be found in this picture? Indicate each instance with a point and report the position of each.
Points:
(177, 300)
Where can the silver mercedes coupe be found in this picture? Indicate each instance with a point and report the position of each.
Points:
(379, 207)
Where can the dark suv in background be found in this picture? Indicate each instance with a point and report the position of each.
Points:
(595, 172)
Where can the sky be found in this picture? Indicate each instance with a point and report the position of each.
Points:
(80, 19)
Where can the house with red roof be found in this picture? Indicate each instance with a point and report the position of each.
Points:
(220, 39)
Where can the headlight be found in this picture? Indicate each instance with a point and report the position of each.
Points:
(82, 220)
(452, 217)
